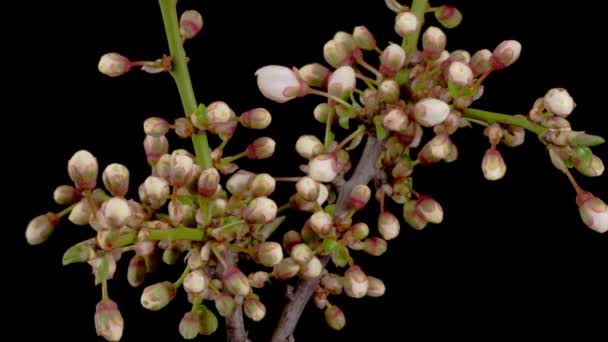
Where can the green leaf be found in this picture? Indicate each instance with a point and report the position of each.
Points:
(584, 139)
(380, 131)
(343, 121)
(357, 139)
(340, 256)
(402, 77)
(465, 92)
(186, 200)
(102, 270)
(584, 154)
(268, 228)
(330, 209)
(330, 137)
(453, 89)
(330, 245)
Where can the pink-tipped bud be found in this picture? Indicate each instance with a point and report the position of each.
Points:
(392, 59)
(321, 223)
(109, 323)
(261, 148)
(208, 182)
(359, 230)
(430, 209)
(323, 168)
(301, 253)
(156, 127)
(40, 228)
(309, 146)
(268, 253)
(136, 271)
(593, 211)
(155, 147)
(406, 23)
(254, 309)
(195, 282)
(315, 75)
(65, 195)
(376, 287)
(374, 246)
(262, 185)
(363, 38)
(83, 169)
(189, 326)
(559, 102)
(258, 279)
(396, 120)
(332, 283)
(116, 179)
(279, 83)
(116, 212)
(493, 165)
(238, 183)
(342, 81)
(448, 16)
(388, 225)
(157, 296)
(346, 40)
(412, 216)
(359, 196)
(286, 269)
(592, 168)
(225, 304)
(156, 191)
(290, 239)
(335, 317)
(335, 54)
(260, 210)
(235, 281)
(190, 24)
(113, 64)
(312, 269)
(433, 42)
(460, 74)
(429, 112)
(389, 91)
(257, 118)
(481, 62)
(505, 54)
(218, 112)
(308, 188)
(355, 282)
(182, 167)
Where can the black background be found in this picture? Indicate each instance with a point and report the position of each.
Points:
(511, 257)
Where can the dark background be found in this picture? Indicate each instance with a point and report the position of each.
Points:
(511, 257)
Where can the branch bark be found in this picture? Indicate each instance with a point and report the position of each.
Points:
(364, 172)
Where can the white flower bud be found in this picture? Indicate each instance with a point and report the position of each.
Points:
(218, 112)
(279, 83)
(195, 282)
(505, 54)
(460, 74)
(429, 112)
(396, 120)
(406, 23)
(113, 64)
(433, 42)
(83, 168)
(116, 211)
(323, 168)
(321, 223)
(308, 188)
(309, 146)
(342, 81)
(81, 213)
(312, 270)
(593, 211)
(493, 165)
(388, 226)
(559, 102)
(260, 210)
(156, 190)
(430, 209)
(355, 282)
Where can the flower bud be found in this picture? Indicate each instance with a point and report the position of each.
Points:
(183, 128)
(433, 42)
(195, 282)
(65, 195)
(396, 120)
(481, 62)
(156, 190)
(412, 216)
(301, 253)
(235, 281)
(208, 182)
(290, 239)
(342, 81)
(116, 211)
(370, 99)
(359, 196)
(258, 279)
(157, 296)
(262, 185)
(593, 168)
(593, 211)
(332, 283)
(448, 16)
(155, 147)
(388, 225)
(225, 305)
(335, 54)
(261, 148)
(429, 112)
(375, 287)
(308, 188)
(81, 213)
(156, 127)
(113, 64)
(460, 74)
(190, 24)
(286, 269)
(109, 323)
(189, 326)
(238, 183)
(436, 149)
(363, 38)
(392, 59)
(83, 168)
(505, 54)
(321, 223)
(315, 75)
(335, 317)
(406, 23)
(260, 210)
(559, 102)
(514, 136)
(40, 228)
(279, 83)
(323, 168)
(254, 309)
(493, 165)
(182, 168)
(430, 209)
(321, 112)
(312, 269)
(268, 253)
(374, 246)
(389, 91)
(309, 146)
(218, 112)
(136, 271)
(257, 118)
(355, 282)
(208, 321)
(116, 179)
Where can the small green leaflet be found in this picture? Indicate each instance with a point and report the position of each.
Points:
(380, 131)
(402, 76)
(102, 270)
(453, 89)
(340, 256)
(584, 154)
(330, 209)
(330, 245)
(344, 117)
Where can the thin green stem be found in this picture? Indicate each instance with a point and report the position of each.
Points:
(327, 139)
(331, 97)
(181, 75)
(180, 233)
(219, 257)
(233, 158)
(181, 278)
(104, 290)
(352, 136)
(410, 41)
(489, 117)
(65, 211)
